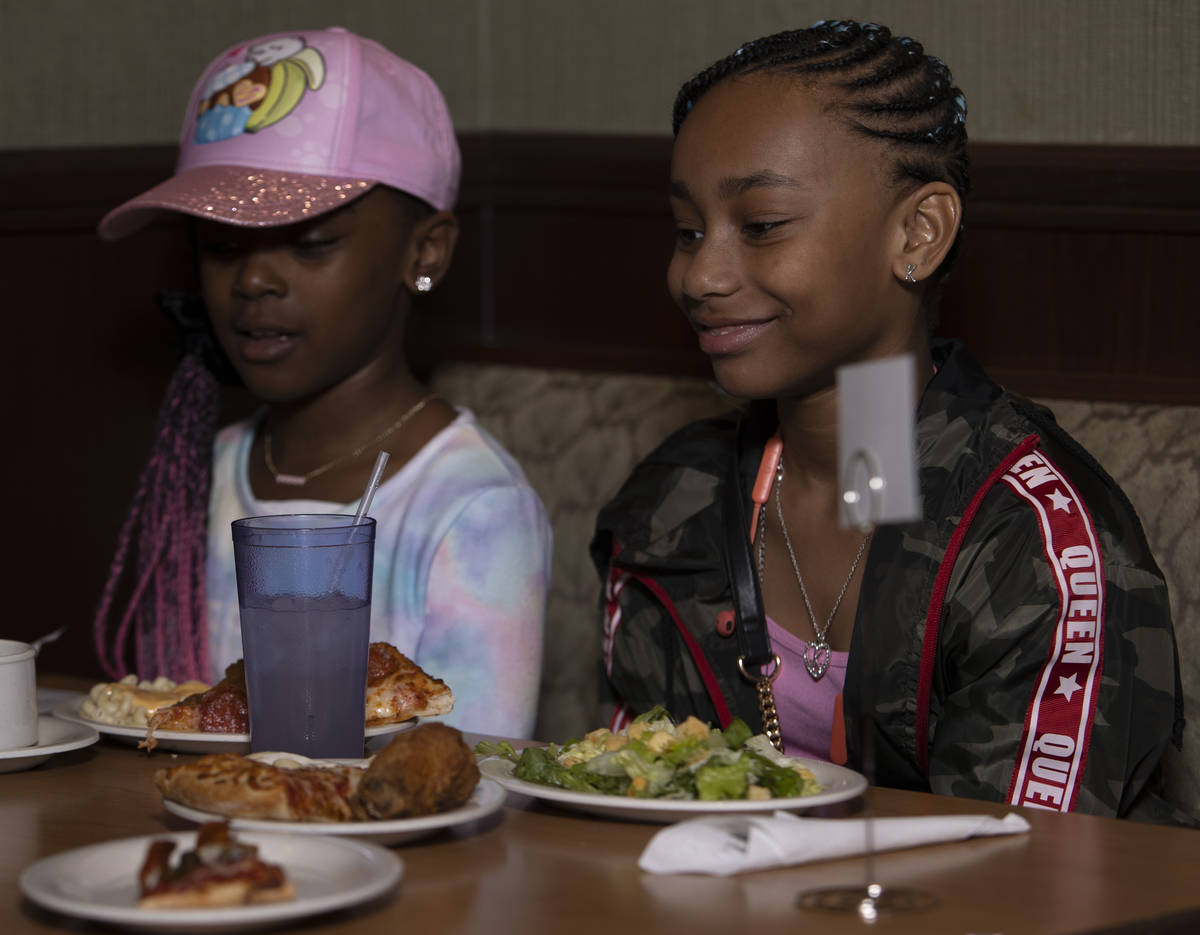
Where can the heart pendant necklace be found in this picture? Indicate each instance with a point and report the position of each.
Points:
(817, 653)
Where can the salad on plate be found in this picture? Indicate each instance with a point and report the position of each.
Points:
(656, 758)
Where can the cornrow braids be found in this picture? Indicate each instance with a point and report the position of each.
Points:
(886, 87)
(168, 517)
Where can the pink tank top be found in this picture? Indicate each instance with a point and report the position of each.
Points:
(805, 707)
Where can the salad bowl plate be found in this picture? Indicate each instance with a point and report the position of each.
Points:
(838, 784)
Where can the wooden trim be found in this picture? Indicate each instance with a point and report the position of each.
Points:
(1077, 279)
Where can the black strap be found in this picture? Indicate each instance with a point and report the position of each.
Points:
(754, 643)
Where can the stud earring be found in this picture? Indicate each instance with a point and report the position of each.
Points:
(908, 273)
(424, 283)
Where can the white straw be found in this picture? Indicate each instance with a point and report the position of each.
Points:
(363, 505)
(372, 485)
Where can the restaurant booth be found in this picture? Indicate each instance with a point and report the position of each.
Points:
(1100, 324)
(1077, 287)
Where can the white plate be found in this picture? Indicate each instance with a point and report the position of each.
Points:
(54, 736)
(47, 698)
(100, 882)
(183, 741)
(487, 798)
(839, 784)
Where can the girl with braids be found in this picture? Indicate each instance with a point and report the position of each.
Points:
(1015, 643)
(317, 173)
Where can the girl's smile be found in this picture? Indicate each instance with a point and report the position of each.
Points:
(729, 336)
(786, 231)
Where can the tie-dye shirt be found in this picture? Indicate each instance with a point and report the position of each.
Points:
(462, 565)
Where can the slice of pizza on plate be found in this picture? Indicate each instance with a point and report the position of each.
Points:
(397, 690)
(239, 786)
(218, 871)
(222, 709)
(427, 770)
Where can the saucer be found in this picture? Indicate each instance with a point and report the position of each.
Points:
(54, 736)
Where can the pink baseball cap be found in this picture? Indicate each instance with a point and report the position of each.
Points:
(288, 126)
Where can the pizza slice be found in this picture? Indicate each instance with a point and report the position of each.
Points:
(397, 690)
(237, 786)
(219, 871)
(222, 709)
(425, 770)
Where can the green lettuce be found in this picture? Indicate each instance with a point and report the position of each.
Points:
(720, 764)
(722, 780)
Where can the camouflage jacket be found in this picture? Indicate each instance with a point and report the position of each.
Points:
(1015, 644)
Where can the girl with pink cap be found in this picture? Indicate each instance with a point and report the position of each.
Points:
(319, 172)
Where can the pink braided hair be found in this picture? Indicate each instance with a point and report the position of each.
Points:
(166, 609)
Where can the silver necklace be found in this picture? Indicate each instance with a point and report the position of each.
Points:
(299, 480)
(818, 653)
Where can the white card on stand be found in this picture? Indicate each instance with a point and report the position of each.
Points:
(877, 442)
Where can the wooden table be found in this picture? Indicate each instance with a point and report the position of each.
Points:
(531, 868)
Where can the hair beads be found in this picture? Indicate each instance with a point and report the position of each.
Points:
(166, 609)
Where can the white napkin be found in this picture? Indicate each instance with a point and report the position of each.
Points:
(731, 844)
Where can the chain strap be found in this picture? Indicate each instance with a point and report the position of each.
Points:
(766, 699)
(770, 717)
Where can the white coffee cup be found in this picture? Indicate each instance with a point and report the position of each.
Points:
(18, 695)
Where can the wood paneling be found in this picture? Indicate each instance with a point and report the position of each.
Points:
(1078, 281)
(573, 235)
(1078, 278)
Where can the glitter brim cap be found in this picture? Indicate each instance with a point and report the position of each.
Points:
(285, 127)
(235, 195)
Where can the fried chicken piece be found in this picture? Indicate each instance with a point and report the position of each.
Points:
(425, 770)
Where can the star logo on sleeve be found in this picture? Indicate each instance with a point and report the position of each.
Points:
(1060, 501)
(1067, 687)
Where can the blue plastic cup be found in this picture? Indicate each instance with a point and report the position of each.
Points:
(304, 593)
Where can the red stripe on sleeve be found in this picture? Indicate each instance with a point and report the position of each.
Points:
(933, 619)
(1048, 771)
